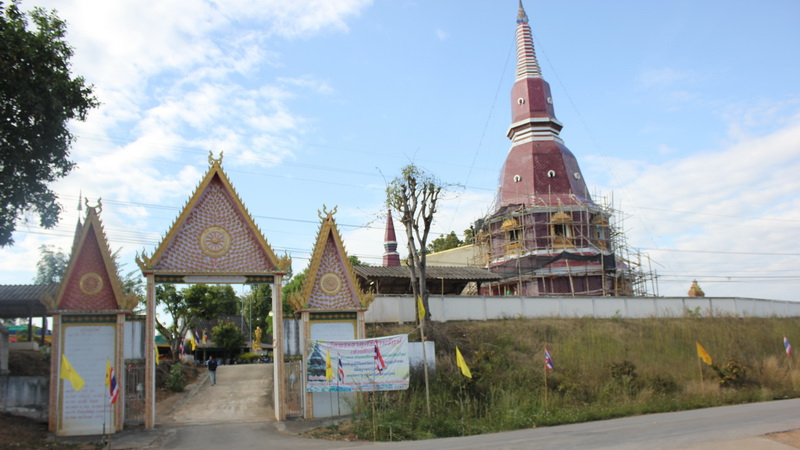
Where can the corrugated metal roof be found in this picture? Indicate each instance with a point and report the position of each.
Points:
(431, 272)
(24, 300)
(26, 292)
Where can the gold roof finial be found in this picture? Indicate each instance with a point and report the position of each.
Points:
(215, 161)
(98, 207)
(328, 214)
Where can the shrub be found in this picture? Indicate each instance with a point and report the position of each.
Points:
(176, 380)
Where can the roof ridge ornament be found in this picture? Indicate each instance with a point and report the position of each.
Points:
(328, 214)
(215, 161)
(98, 207)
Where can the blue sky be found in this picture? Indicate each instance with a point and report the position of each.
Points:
(687, 114)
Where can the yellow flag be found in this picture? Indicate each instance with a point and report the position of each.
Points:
(194, 343)
(108, 373)
(703, 354)
(328, 368)
(68, 373)
(420, 309)
(157, 358)
(462, 364)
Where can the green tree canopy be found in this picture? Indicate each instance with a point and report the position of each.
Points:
(257, 306)
(445, 242)
(229, 337)
(51, 266)
(38, 97)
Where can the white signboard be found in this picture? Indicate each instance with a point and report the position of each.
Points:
(379, 364)
(87, 411)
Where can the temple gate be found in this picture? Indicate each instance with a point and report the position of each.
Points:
(331, 307)
(213, 240)
(88, 314)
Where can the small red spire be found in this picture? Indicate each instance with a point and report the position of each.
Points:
(390, 256)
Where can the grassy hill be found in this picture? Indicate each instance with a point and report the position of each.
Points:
(603, 369)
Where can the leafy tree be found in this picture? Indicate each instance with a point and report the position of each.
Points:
(171, 300)
(415, 194)
(229, 337)
(354, 261)
(445, 242)
(51, 266)
(187, 306)
(469, 236)
(209, 301)
(38, 98)
(257, 306)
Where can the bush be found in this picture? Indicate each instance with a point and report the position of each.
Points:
(176, 380)
(249, 358)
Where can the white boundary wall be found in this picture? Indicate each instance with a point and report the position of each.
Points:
(401, 308)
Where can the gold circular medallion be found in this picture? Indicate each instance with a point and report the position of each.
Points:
(330, 283)
(215, 241)
(90, 283)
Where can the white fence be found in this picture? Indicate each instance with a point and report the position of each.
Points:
(400, 309)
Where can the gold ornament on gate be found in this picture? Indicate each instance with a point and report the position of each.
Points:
(215, 241)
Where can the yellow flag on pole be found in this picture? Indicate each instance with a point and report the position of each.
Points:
(68, 373)
(328, 368)
(703, 354)
(462, 364)
(194, 342)
(420, 309)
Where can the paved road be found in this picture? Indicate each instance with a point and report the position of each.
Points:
(237, 413)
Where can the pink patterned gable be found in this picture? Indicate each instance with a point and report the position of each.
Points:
(215, 238)
(88, 286)
(333, 288)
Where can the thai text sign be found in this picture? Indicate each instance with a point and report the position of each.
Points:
(379, 364)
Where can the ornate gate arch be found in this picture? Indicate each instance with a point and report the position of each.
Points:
(213, 240)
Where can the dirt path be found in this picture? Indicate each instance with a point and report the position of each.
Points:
(243, 393)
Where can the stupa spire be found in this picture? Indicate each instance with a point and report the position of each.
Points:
(527, 65)
(390, 256)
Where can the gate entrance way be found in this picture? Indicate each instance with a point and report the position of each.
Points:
(213, 240)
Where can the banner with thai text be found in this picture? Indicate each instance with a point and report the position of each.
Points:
(379, 364)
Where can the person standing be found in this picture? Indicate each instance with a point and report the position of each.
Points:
(212, 369)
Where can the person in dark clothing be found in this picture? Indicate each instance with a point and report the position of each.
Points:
(212, 369)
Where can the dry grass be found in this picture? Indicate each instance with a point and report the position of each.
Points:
(603, 369)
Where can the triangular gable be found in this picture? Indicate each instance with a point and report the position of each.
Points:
(214, 234)
(91, 282)
(330, 282)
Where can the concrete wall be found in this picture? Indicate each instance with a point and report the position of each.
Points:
(401, 309)
(25, 396)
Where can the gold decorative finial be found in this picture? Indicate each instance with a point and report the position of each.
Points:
(328, 214)
(98, 207)
(214, 161)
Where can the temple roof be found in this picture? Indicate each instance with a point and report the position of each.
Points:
(91, 282)
(214, 235)
(330, 282)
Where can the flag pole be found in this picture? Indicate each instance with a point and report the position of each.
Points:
(700, 368)
(421, 315)
(545, 382)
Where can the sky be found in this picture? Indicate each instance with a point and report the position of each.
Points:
(684, 115)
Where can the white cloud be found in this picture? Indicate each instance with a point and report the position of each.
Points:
(740, 201)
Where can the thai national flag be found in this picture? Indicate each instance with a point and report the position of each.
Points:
(788, 346)
(379, 364)
(548, 362)
(114, 387)
(111, 382)
(341, 370)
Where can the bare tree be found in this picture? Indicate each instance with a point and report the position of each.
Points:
(414, 194)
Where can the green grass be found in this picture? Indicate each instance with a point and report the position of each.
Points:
(603, 369)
